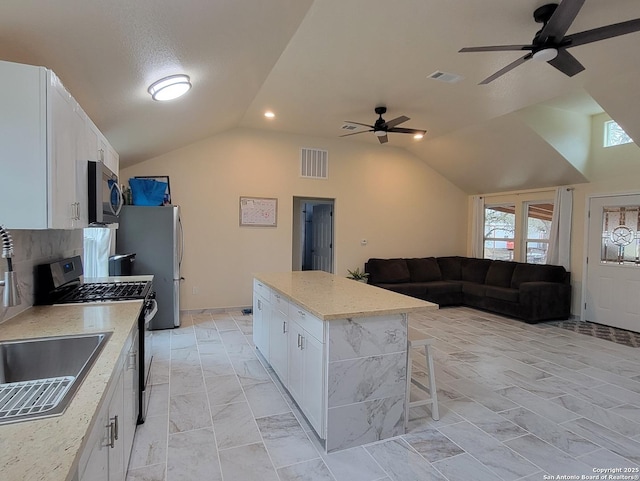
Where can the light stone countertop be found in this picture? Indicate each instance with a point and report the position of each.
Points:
(330, 297)
(48, 449)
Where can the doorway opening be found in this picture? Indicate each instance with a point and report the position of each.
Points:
(313, 234)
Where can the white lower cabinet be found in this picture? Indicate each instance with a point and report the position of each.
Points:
(130, 381)
(261, 318)
(295, 349)
(279, 326)
(106, 455)
(306, 360)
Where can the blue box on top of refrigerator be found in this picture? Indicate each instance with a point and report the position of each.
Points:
(155, 235)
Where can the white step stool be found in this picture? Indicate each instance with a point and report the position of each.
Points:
(415, 339)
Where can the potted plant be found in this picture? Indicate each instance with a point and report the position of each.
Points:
(358, 275)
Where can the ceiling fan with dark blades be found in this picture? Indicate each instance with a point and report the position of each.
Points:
(382, 127)
(550, 44)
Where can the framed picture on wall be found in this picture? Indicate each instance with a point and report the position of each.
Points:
(258, 211)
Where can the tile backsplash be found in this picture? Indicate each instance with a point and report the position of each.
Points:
(33, 247)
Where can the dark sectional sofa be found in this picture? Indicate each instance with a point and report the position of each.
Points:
(530, 292)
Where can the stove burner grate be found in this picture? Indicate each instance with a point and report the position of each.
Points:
(107, 291)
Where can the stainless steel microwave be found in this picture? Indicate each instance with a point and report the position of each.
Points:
(104, 194)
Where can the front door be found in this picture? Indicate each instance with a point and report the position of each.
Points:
(613, 262)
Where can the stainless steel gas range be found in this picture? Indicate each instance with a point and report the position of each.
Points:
(60, 282)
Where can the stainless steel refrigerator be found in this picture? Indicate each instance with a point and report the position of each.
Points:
(155, 235)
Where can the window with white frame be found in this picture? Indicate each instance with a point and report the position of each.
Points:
(539, 216)
(615, 135)
(518, 231)
(499, 231)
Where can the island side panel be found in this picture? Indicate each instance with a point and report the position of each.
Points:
(366, 380)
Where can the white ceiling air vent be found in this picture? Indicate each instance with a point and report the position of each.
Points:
(449, 78)
(314, 163)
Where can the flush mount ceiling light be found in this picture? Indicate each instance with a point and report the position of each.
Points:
(418, 136)
(170, 88)
(270, 115)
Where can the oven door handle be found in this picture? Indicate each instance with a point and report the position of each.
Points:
(150, 314)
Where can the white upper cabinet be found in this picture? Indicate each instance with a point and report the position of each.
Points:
(100, 149)
(43, 148)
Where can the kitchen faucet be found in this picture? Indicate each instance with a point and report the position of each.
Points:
(11, 295)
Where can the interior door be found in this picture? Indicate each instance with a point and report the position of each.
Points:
(322, 243)
(613, 262)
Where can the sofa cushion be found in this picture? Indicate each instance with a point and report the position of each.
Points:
(503, 293)
(441, 287)
(500, 273)
(536, 273)
(473, 288)
(413, 289)
(475, 270)
(424, 270)
(450, 267)
(387, 271)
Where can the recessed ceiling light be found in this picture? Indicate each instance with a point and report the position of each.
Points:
(270, 115)
(170, 88)
(418, 136)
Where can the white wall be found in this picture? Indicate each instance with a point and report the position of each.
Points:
(383, 194)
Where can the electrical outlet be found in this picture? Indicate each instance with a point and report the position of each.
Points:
(195, 290)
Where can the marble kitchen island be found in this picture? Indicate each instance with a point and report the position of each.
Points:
(340, 348)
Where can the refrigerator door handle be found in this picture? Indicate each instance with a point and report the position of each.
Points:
(181, 242)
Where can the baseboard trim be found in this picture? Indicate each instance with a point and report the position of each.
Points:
(216, 310)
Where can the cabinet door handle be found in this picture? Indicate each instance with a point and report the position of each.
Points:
(301, 343)
(302, 314)
(284, 327)
(112, 434)
(133, 360)
(116, 430)
(299, 337)
(259, 305)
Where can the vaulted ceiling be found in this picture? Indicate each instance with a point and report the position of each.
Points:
(319, 63)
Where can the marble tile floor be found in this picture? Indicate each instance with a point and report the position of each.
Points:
(517, 402)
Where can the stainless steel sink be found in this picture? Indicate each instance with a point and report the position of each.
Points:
(38, 377)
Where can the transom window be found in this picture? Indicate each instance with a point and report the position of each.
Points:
(615, 135)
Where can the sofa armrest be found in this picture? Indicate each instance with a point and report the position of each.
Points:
(545, 300)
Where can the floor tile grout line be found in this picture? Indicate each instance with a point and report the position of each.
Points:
(251, 410)
(206, 392)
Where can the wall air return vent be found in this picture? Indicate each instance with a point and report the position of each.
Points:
(314, 163)
(449, 78)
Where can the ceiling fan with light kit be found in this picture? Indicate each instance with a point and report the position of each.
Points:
(382, 127)
(550, 44)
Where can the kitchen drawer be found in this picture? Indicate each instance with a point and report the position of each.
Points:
(307, 321)
(261, 289)
(280, 302)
